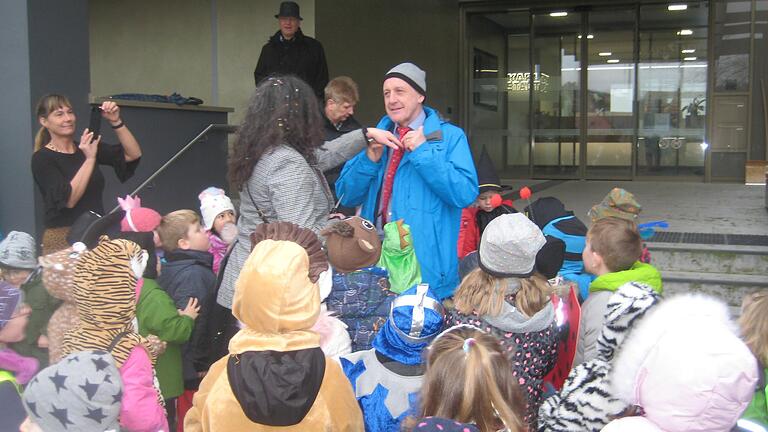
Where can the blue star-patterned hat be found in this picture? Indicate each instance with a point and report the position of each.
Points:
(82, 392)
(415, 318)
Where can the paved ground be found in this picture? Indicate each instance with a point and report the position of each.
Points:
(721, 208)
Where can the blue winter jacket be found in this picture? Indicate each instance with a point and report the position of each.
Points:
(433, 184)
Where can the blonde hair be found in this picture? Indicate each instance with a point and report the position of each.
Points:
(484, 294)
(342, 89)
(617, 241)
(754, 324)
(174, 227)
(47, 105)
(469, 379)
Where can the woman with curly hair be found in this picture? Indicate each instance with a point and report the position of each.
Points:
(278, 162)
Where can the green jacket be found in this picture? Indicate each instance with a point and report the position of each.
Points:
(757, 411)
(43, 306)
(157, 315)
(640, 272)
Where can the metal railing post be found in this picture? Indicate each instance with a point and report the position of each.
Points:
(211, 127)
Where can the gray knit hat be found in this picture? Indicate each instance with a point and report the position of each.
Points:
(82, 392)
(509, 246)
(410, 73)
(17, 251)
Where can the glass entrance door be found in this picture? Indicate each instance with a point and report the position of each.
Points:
(610, 94)
(672, 89)
(555, 83)
(600, 93)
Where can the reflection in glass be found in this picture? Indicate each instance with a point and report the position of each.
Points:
(672, 91)
(518, 103)
(732, 41)
(610, 94)
(556, 67)
(498, 117)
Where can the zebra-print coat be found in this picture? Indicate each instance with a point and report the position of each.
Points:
(586, 402)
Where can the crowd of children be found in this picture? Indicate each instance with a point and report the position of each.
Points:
(336, 331)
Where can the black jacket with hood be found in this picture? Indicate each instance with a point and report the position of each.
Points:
(185, 274)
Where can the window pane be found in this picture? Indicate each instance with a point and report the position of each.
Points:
(672, 90)
(732, 39)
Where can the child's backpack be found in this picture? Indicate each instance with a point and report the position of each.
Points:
(550, 215)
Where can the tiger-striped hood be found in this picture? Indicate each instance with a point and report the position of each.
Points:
(105, 295)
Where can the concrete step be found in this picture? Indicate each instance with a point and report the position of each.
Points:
(706, 258)
(731, 288)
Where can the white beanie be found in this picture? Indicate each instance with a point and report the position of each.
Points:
(213, 201)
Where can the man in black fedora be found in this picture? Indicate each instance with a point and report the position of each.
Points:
(290, 52)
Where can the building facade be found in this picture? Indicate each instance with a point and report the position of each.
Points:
(616, 90)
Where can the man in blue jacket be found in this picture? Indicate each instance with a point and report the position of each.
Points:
(426, 180)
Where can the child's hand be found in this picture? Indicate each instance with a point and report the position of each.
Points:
(42, 341)
(192, 310)
(156, 345)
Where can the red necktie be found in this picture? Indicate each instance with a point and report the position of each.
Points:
(389, 177)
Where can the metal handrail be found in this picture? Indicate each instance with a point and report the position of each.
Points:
(211, 127)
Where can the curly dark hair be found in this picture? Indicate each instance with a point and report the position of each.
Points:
(282, 110)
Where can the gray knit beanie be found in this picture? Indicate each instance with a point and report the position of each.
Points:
(410, 73)
(509, 246)
(82, 392)
(17, 251)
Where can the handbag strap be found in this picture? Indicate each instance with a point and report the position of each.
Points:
(258, 211)
(116, 340)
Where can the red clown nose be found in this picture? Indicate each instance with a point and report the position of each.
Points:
(525, 193)
(495, 200)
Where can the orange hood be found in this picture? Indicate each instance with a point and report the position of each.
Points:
(276, 300)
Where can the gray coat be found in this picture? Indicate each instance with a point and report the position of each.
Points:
(286, 188)
(592, 321)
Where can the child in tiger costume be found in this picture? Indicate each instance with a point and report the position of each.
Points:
(105, 296)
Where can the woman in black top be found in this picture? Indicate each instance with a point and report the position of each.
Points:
(65, 170)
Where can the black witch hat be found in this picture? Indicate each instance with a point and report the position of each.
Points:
(487, 178)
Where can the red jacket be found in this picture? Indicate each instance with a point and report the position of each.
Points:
(469, 233)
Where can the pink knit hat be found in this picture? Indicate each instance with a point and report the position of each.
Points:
(137, 218)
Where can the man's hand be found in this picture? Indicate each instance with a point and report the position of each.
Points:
(380, 138)
(413, 139)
